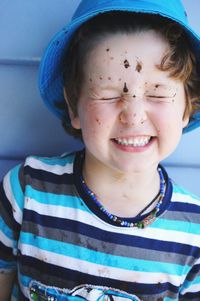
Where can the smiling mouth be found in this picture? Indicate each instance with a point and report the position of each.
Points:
(139, 141)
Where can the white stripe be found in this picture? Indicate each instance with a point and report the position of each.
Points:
(92, 220)
(5, 240)
(56, 169)
(97, 269)
(185, 198)
(17, 213)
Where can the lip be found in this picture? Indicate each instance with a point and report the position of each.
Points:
(134, 149)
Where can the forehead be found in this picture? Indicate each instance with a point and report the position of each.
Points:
(124, 49)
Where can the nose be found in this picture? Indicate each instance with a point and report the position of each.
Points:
(133, 112)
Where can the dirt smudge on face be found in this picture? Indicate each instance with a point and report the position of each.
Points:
(125, 89)
(126, 64)
(138, 67)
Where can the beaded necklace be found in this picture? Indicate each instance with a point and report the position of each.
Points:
(122, 222)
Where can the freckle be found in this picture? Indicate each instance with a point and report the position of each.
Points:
(112, 58)
(98, 121)
(120, 79)
(90, 80)
(173, 100)
(100, 77)
(138, 67)
(134, 96)
(126, 64)
(125, 89)
(156, 86)
(109, 78)
(108, 49)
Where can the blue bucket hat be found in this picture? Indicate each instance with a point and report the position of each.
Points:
(51, 82)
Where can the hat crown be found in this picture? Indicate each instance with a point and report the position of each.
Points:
(173, 8)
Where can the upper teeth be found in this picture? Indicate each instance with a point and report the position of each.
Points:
(136, 141)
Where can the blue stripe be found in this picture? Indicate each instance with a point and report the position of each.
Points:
(187, 283)
(48, 198)
(15, 292)
(50, 177)
(87, 255)
(7, 265)
(184, 207)
(5, 229)
(16, 188)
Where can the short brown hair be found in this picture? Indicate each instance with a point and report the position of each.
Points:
(180, 61)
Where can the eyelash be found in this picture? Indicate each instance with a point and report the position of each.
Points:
(111, 99)
(159, 99)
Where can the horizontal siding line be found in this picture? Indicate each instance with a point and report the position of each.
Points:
(173, 165)
(182, 165)
(35, 61)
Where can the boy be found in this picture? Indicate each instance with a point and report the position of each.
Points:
(107, 223)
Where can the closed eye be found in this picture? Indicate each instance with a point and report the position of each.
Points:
(110, 99)
(159, 98)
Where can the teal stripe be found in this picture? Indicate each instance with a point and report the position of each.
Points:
(62, 161)
(169, 299)
(15, 186)
(179, 190)
(187, 283)
(87, 255)
(25, 280)
(5, 229)
(66, 201)
(176, 225)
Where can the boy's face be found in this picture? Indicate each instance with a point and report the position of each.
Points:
(130, 112)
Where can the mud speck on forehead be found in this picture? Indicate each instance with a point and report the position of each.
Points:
(126, 64)
(138, 67)
(125, 89)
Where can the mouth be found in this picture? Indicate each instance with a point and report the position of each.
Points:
(137, 141)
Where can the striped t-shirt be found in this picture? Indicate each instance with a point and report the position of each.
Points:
(64, 248)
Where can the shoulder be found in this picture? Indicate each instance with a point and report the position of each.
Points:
(184, 196)
(57, 165)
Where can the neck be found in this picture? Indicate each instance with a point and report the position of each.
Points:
(122, 194)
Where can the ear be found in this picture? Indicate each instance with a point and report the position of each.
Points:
(75, 122)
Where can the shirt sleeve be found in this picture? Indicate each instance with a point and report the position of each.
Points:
(11, 210)
(191, 286)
